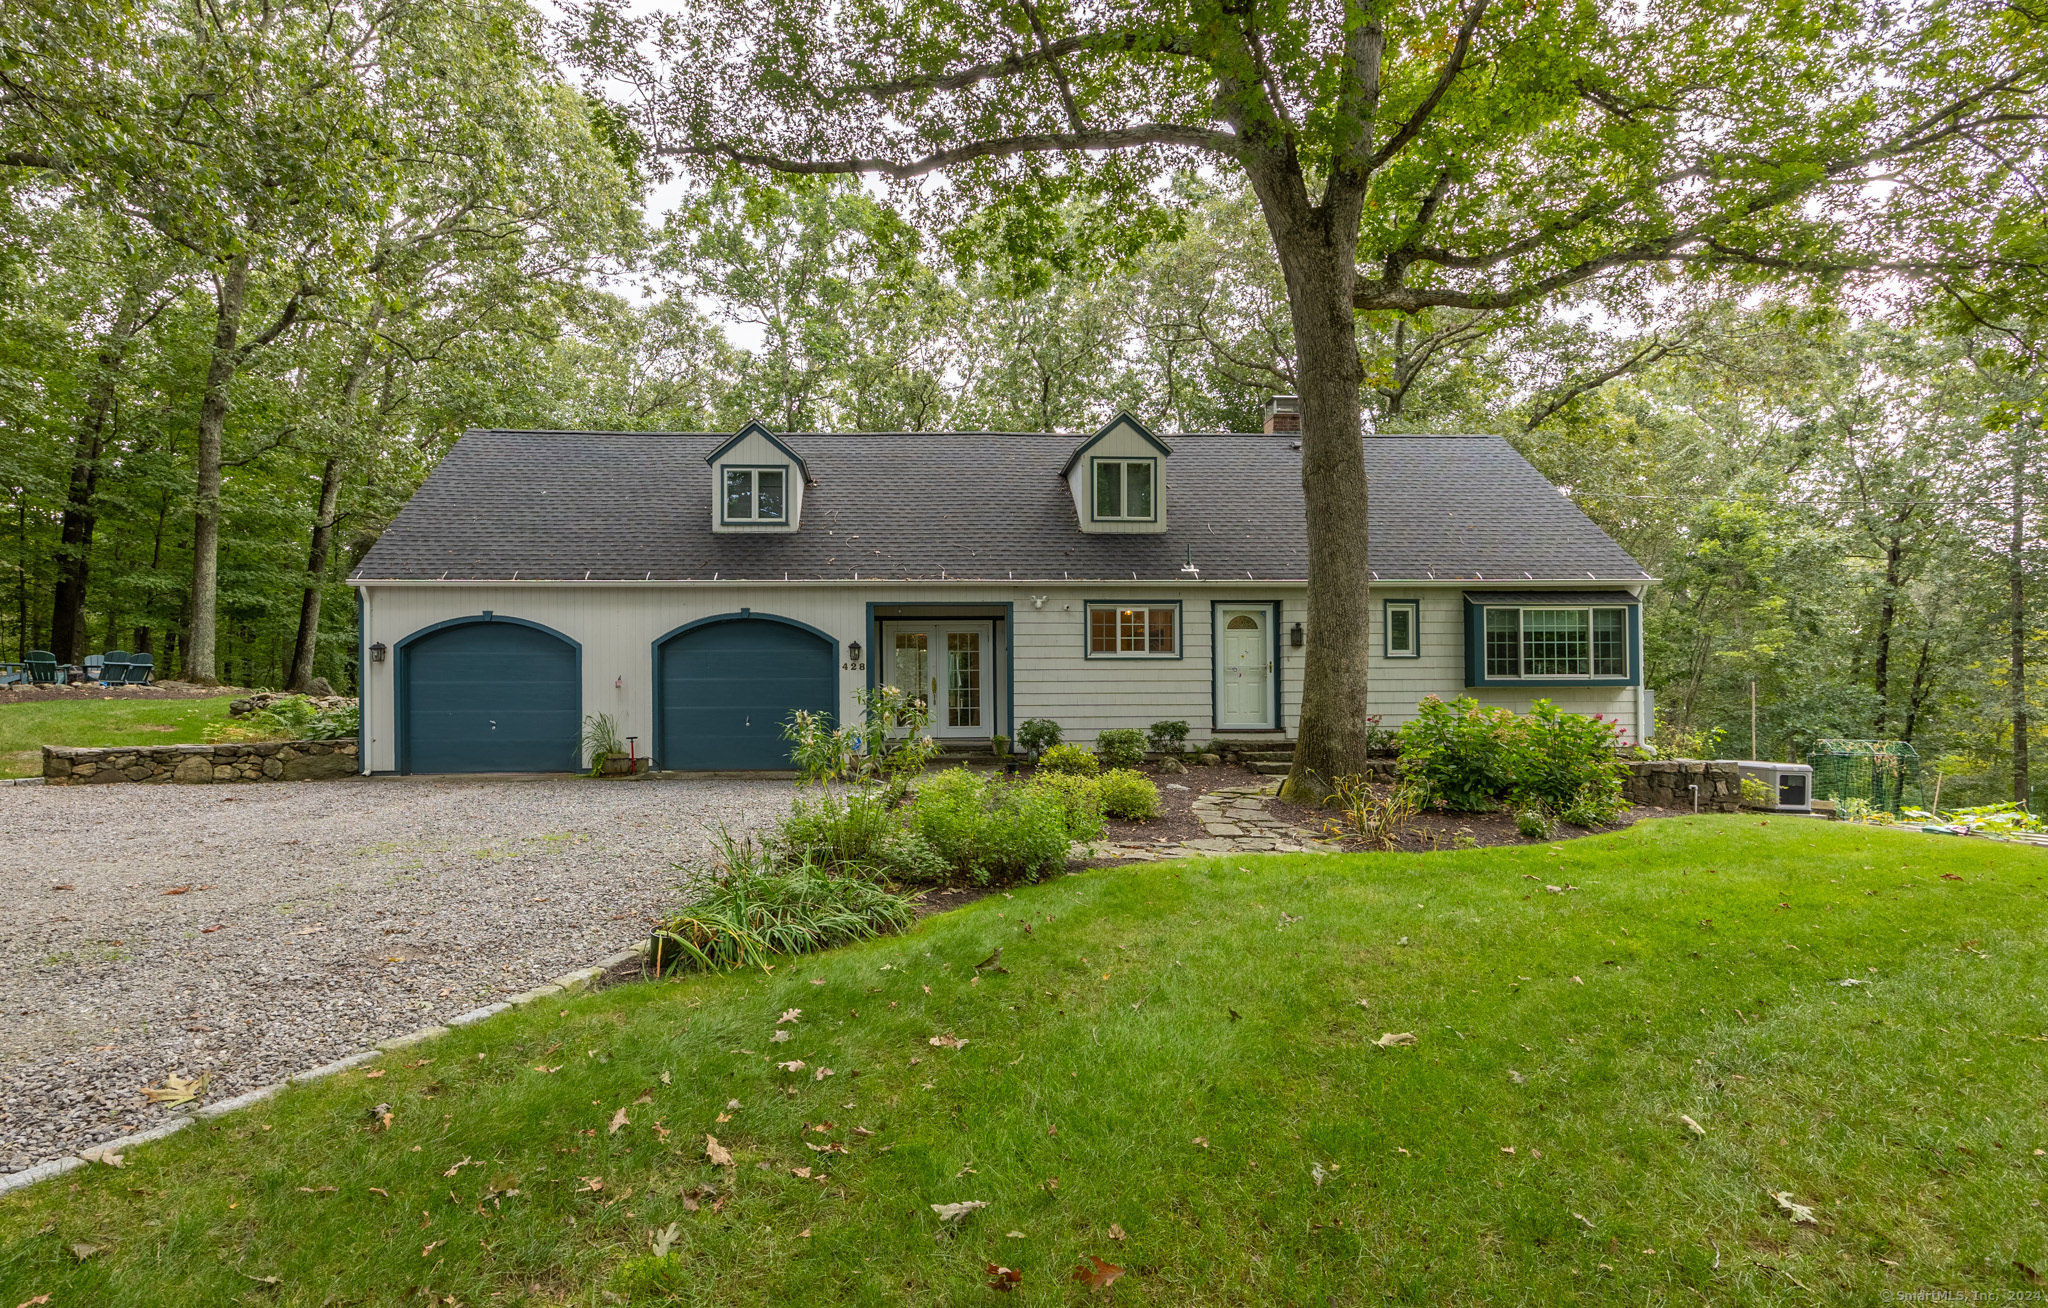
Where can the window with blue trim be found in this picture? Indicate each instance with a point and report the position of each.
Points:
(1556, 642)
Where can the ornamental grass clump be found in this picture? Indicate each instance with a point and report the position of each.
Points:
(764, 906)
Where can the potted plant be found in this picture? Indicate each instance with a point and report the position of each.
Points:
(605, 747)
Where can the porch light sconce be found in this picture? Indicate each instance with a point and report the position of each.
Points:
(377, 652)
(853, 651)
(1295, 637)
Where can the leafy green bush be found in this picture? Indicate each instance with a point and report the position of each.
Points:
(1081, 801)
(1168, 738)
(1129, 795)
(947, 813)
(1036, 734)
(1120, 747)
(1757, 794)
(893, 740)
(755, 914)
(1471, 758)
(293, 718)
(1532, 823)
(1069, 758)
(1025, 835)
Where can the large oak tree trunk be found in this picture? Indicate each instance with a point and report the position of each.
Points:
(230, 304)
(2016, 578)
(1334, 731)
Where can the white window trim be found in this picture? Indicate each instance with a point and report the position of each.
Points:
(1089, 611)
(1414, 610)
(753, 471)
(1124, 498)
(1521, 647)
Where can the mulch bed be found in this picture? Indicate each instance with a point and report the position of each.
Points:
(161, 690)
(1178, 792)
(1432, 831)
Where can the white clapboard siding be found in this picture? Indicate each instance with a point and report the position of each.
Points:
(617, 624)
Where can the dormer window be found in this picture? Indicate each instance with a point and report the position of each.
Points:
(756, 495)
(757, 483)
(1124, 490)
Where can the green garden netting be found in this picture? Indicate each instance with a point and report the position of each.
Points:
(1885, 774)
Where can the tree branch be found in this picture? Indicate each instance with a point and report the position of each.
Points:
(1453, 65)
(1112, 138)
(1027, 61)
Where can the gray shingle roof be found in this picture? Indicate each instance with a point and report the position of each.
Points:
(562, 505)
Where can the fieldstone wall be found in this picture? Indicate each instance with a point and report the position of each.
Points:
(270, 760)
(1665, 783)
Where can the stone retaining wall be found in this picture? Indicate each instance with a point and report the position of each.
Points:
(270, 760)
(1665, 784)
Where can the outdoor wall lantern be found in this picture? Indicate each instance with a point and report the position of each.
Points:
(377, 652)
(853, 651)
(1295, 637)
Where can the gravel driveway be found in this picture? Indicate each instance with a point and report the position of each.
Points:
(320, 917)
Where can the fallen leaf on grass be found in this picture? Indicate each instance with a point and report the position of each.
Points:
(1517, 1077)
(789, 1015)
(1691, 1125)
(804, 1234)
(322, 1189)
(619, 1119)
(427, 1250)
(821, 1074)
(378, 1189)
(778, 1037)
(1202, 1141)
(103, 1156)
(1946, 876)
(833, 1148)
(1101, 1276)
(1584, 1220)
(800, 1173)
(1577, 982)
(371, 1076)
(1002, 1278)
(84, 1251)
(1116, 1232)
(948, 1041)
(177, 1089)
(954, 1212)
(2033, 1277)
(793, 1065)
(664, 1239)
(719, 1155)
(41, 1298)
(1393, 1038)
(556, 1068)
(664, 1078)
(591, 1184)
(1800, 1214)
(466, 1162)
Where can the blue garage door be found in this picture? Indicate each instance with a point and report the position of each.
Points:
(491, 697)
(727, 688)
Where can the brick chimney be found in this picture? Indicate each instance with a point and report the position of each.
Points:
(1283, 414)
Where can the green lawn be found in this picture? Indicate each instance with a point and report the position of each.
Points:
(1172, 1055)
(26, 728)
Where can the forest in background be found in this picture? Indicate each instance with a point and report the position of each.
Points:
(260, 266)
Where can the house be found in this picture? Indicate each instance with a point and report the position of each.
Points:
(700, 588)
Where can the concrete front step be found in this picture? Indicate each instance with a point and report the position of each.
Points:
(1271, 769)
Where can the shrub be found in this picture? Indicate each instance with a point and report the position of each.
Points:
(1024, 836)
(893, 740)
(1168, 738)
(1532, 823)
(296, 717)
(1121, 747)
(947, 814)
(756, 913)
(1129, 795)
(1080, 798)
(1069, 758)
(1757, 794)
(1036, 734)
(1465, 756)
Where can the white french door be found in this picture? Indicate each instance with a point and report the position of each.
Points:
(952, 665)
(1244, 667)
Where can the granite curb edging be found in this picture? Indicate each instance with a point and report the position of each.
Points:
(568, 983)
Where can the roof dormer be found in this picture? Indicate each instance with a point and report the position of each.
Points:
(757, 483)
(1118, 479)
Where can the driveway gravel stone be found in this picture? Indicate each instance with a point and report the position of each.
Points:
(252, 932)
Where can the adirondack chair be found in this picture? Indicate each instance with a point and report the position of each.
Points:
(11, 673)
(94, 667)
(42, 667)
(113, 668)
(141, 666)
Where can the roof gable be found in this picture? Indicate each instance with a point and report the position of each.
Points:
(754, 428)
(1122, 419)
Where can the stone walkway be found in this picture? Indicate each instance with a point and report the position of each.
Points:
(1234, 821)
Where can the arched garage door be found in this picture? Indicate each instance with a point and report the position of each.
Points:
(490, 696)
(728, 685)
